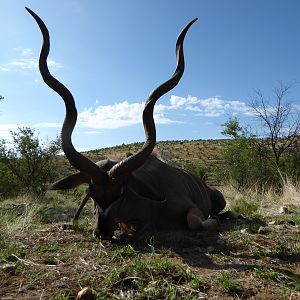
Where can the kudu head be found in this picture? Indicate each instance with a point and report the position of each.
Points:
(105, 177)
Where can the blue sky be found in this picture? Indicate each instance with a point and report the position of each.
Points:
(111, 54)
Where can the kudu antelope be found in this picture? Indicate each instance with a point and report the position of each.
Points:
(140, 190)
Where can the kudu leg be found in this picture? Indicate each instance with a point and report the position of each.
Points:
(196, 221)
(80, 208)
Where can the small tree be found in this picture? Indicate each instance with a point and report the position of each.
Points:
(243, 163)
(232, 128)
(249, 160)
(29, 160)
(281, 121)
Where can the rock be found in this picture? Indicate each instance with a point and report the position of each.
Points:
(264, 230)
(85, 294)
(8, 268)
(291, 222)
(283, 209)
(244, 231)
(282, 222)
(66, 226)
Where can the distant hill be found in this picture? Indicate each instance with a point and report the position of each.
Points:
(183, 154)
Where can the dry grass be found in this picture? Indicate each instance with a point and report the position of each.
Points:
(41, 260)
(291, 193)
(18, 214)
(42, 256)
(268, 202)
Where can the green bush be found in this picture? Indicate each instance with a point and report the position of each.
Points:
(244, 207)
(9, 185)
(242, 165)
(290, 166)
(248, 161)
(26, 162)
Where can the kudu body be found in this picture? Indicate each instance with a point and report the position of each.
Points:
(140, 190)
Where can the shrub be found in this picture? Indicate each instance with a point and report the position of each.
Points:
(26, 162)
(248, 161)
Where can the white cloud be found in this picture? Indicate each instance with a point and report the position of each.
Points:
(210, 107)
(26, 52)
(26, 62)
(48, 125)
(111, 116)
(118, 115)
(177, 101)
(127, 114)
(89, 132)
(22, 63)
(297, 107)
(5, 130)
(124, 114)
(4, 69)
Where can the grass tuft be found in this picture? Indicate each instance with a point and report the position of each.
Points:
(11, 251)
(48, 253)
(271, 274)
(244, 207)
(61, 296)
(225, 281)
(126, 251)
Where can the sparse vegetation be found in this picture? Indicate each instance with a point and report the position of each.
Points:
(271, 274)
(42, 255)
(226, 282)
(244, 207)
(61, 296)
(12, 251)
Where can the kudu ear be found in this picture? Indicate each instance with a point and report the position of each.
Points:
(69, 182)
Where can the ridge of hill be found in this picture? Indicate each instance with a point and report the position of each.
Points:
(185, 154)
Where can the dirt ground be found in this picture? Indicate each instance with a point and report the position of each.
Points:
(261, 260)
